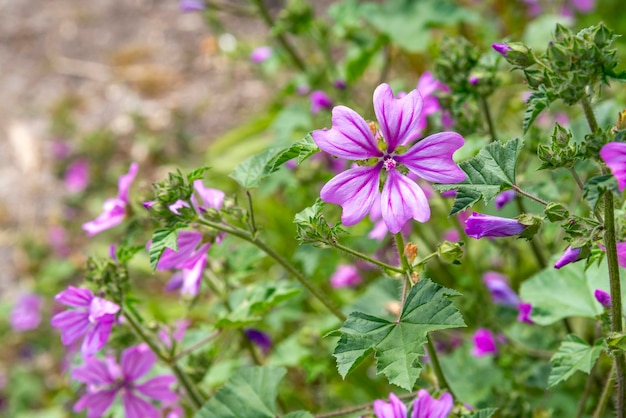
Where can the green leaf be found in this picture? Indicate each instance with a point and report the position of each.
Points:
(299, 414)
(537, 102)
(301, 150)
(488, 173)
(398, 344)
(557, 294)
(196, 174)
(250, 393)
(573, 355)
(162, 239)
(596, 187)
(482, 413)
(251, 171)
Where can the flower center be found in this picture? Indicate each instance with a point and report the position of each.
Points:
(389, 163)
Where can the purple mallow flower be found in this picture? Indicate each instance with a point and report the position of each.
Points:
(424, 406)
(614, 155)
(357, 189)
(105, 380)
(602, 297)
(621, 253)
(26, 314)
(261, 54)
(484, 343)
(346, 275)
(501, 49)
(505, 197)
(259, 338)
(77, 176)
(191, 5)
(501, 293)
(427, 85)
(92, 318)
(524, 311)
(570, 255)
(114, 210)
(479, 225)
(394, 409)
(320, 101)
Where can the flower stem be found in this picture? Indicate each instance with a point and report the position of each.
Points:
(604, 397)
(245, 235)
(364, 257)
(589, 115)
(487, 113)
(528, 195)
(251, 208)
(581, 186)
(434, 361)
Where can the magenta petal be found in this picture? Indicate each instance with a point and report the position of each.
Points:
(427, 407)
(93, 372)
(159, 388)
(76, 297)
(192, 277)
(96, 402)
(401, 200)
(101, 308)
(398, 118)
(614, 155)
(213, 198)
(137, 361)
(187, 242)
(350, 137)
(97, 336)
(394, 409)
(431, 158)
(355, 190)
(72, 324)
(124, 182)
(113, 214)
(135, 407)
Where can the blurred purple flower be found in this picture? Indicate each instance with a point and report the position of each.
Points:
(427, 85)
(340, 84)
(57, 238)
(479, 225)
(346, 275)
(474, 80)
(357, 189)
(524, 310)
(60, 149)
(501, 49)
(484, 343)
(602, 297)
(259, 338)
(319, 101)
(504, 198)
(26, 313)
(583, 6)
(93, 318)
(261, 54)
(176, 333)
(105, 380)
(498, 286)
(77, 176)
(614, 155)
(621, 253)
(191, 5)
(114, 210)
(570, 255)
(425, 406)
(452, 235)
(394, 409)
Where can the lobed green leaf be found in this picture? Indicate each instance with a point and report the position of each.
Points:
(573, 355)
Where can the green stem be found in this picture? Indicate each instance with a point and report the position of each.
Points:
(434, 361)
(604, 397)
(587, 391)
(487, 113)
(293, 55)
(365, 257)
(280, 260)
(196, 346)
(183, 378)
(406, 268)
(251, 209)
(528, 195)
(581, 186)
(541, 260)
(358, 408)
(589, 115)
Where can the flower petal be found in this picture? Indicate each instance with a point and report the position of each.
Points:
(399, 118)
(350, 137)
(72, 324)
(187, 242)
(401, 200)
(159, 388)
(135, 407)
(97, 336)
(124, 182)
(137, 361)
(431, 158)
(102, 308)
(75, 296)
(93, 372)
(355, 190)
(113, 214)
(96, 402)
(192, 276)
(614, 155)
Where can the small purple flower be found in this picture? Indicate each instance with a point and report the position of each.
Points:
(191, 5)
(320, 101)
(504, 197)
(105, 380)
(60, 149)
(501, 293)
(93, 318)
(524, 311)
(427, 85)
(259, 338)
(425, 406)
(346, 275)
(57, 238)
(501, 49)
(114, 210)
(614, 155)
(168, 336)
(602, 297)
(583, 6)
(26, 314)
(570, 255)
(474, 80)
(484, 343)
(340, 84)
(357, 189)
(77, 176)
(394, 409)
(261, 54)
(479, 225)
(621, 253)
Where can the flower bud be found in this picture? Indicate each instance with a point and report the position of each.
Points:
(602, 297)
(450, 251)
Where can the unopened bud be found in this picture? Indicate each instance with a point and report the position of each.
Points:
(410, 251)
(621, 120)
(532, 223)
(450, 251)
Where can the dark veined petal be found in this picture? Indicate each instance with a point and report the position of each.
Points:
(135, 407)
(399, 118)
(614, 155)
(401, 200)
(93, 372)
(97, 336)
(96, 402)
(431, 158)
(72, 324)
(75, 296)
(137, 361)
(349, 138)
(159, 388)
(355, 190)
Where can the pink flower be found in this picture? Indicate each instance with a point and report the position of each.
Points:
(191, 5)
(26, 314)
(346, 275)
(93, 319)
(505, 197)
(479, 225)
(524, 311)
(498, 286)
(614, 155)
(114, 210)
(77, 176)
(105, 380)
(621, 253)
(394, 409)
(320, 101)
(570, 255)
(427, 85)
(602, 297)
(501, 49)
(261, 54)
(425, 406)
(357, 189)
(484, 343)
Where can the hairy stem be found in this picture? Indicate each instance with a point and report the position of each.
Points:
(485, 107)
(364, 257)
(604, 397)
(528, 195)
